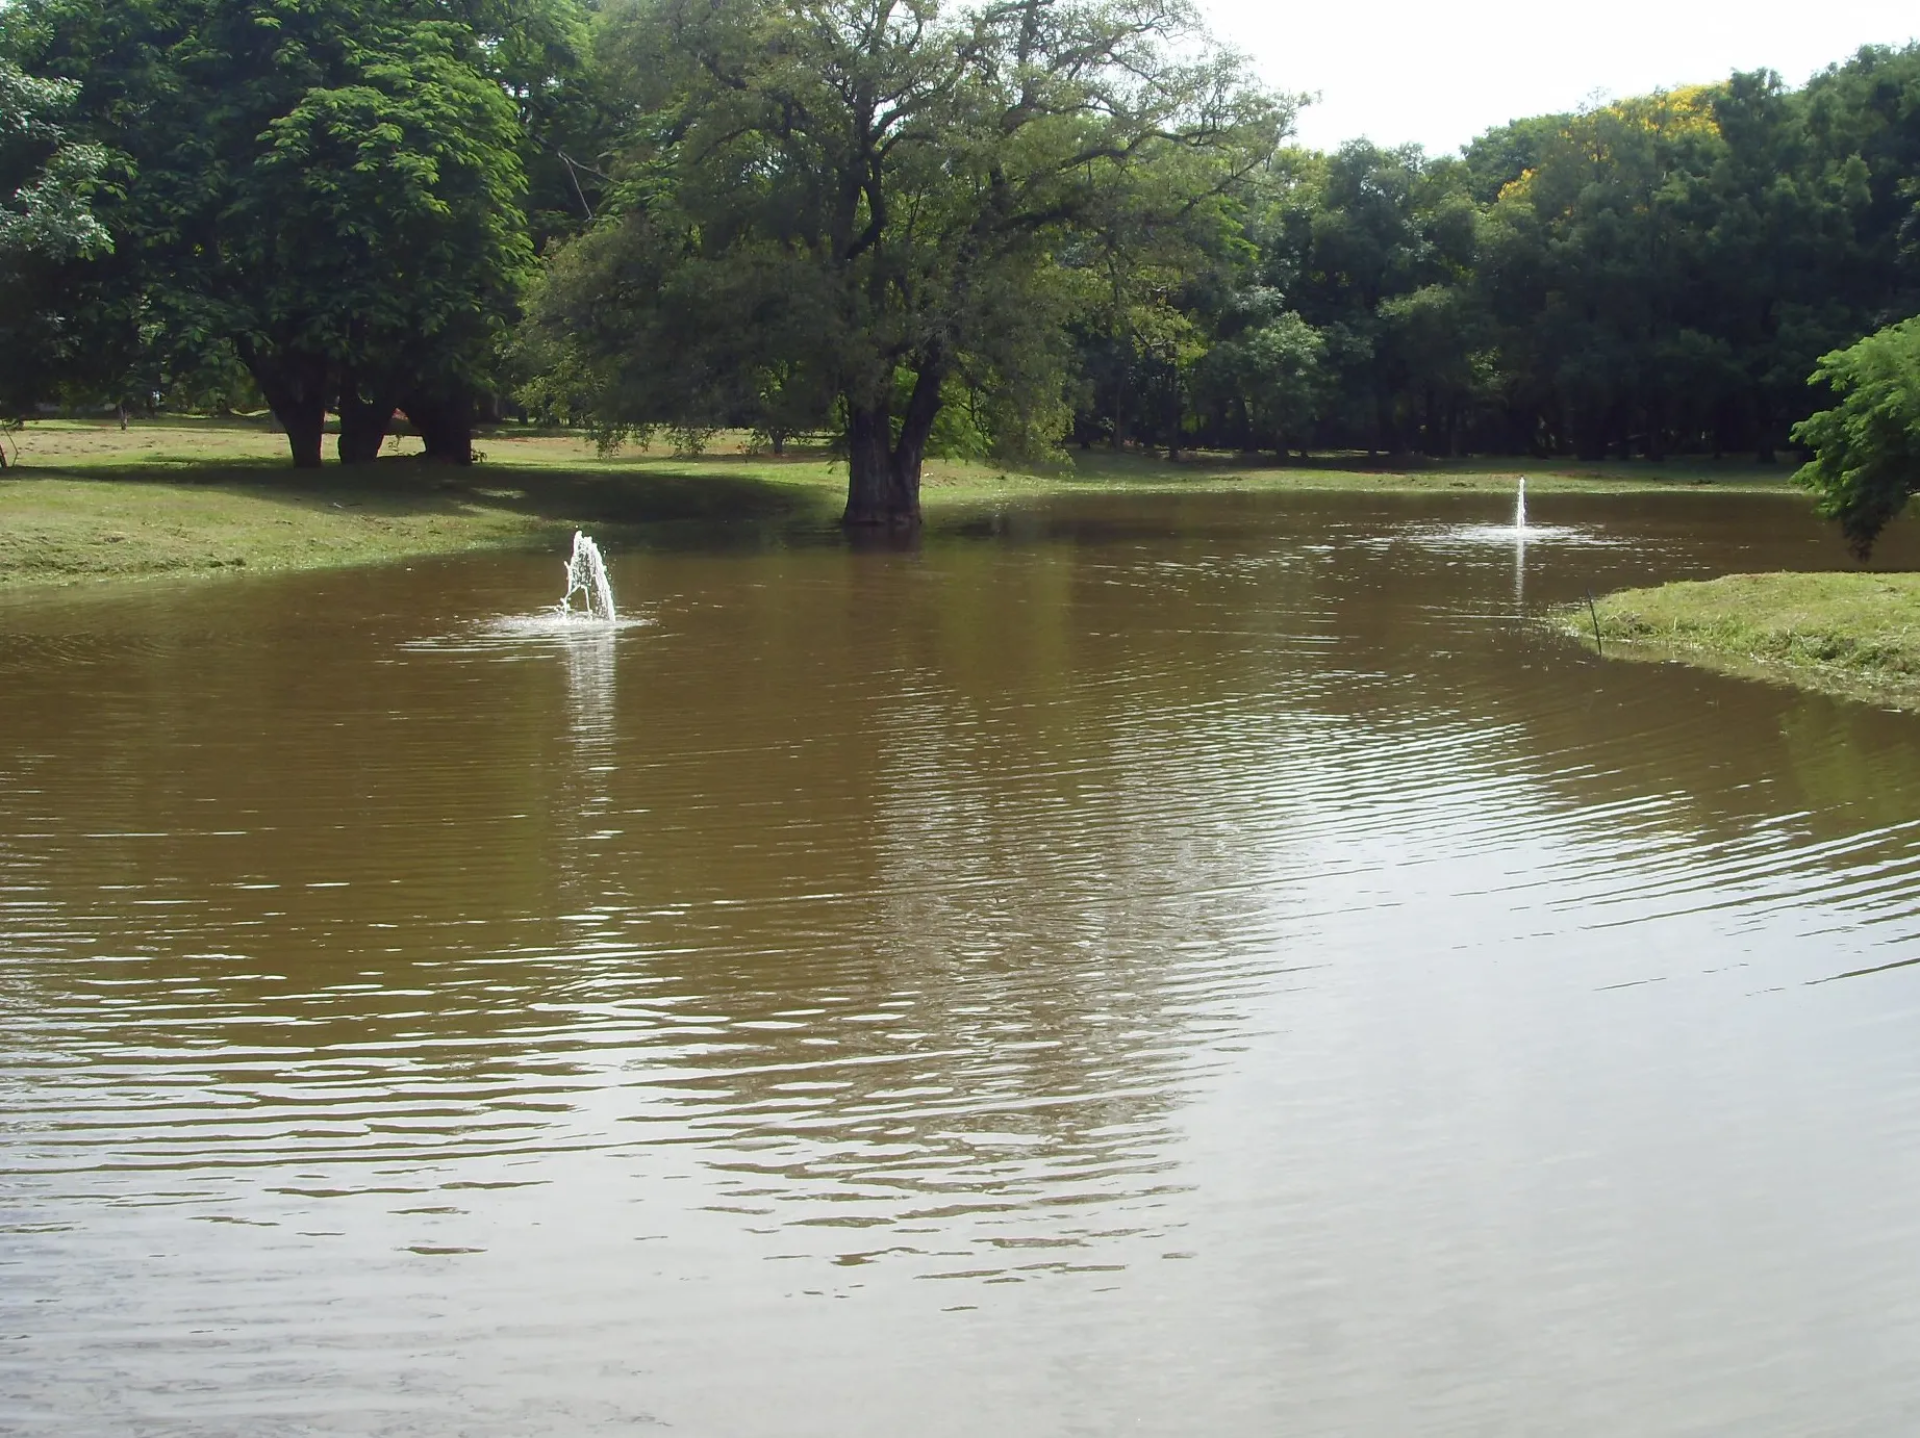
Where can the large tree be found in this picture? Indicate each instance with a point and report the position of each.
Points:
(878, 198)
(332, 187)
(380, 239)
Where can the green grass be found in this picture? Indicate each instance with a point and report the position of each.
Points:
(58, 529)
(1855, 634)
(88, 500)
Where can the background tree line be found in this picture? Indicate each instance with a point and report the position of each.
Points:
(1656, 275)
(920, 229)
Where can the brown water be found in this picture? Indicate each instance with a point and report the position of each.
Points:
(1156, 966)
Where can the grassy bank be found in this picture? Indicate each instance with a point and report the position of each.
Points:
(56, 530)
(179, 496)
(1853, 634)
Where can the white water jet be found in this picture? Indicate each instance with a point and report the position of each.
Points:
(587, 577)
(1518, 534)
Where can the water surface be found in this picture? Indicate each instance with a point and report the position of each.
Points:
(1168, 965)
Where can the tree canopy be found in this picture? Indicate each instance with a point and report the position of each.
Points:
(883, 203)
(333, 190)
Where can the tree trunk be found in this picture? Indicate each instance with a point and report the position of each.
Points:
(445, 425)
(870, 499)
(1763, 449)
(1656, 445)
(363, 423)
(883, 473)
(295, 387)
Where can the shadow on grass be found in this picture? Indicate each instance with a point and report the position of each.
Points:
(542, 493)
(684, 494)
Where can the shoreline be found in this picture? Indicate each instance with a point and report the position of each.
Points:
(1851, 634)
(88, 502)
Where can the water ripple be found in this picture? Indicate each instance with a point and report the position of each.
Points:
(1263, 901)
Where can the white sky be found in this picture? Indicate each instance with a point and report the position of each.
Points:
(1439, 74)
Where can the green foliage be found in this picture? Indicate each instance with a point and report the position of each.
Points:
(332, 190)
(1601, 250)
(45, 178)
(1866, 449)
(1278, 373)
(1651, 276)
(380, 224)
(839, 193)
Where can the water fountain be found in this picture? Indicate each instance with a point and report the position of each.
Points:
(1520, 544)
(583, 625)
(587, 577)
(1516, 535)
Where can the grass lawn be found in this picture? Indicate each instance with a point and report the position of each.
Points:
(87, 500)
(1854, 634)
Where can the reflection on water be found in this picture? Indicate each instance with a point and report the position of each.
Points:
(1184, 965)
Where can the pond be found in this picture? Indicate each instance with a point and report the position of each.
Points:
(1177, 965)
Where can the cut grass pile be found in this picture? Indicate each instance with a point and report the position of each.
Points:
(1856, 634)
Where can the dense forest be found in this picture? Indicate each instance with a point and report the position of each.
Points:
(1005, 230)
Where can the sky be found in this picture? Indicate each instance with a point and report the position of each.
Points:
(1439, 74)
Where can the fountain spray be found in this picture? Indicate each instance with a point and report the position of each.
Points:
(587, 577)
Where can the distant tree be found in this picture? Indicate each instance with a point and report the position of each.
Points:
(377, 247)
(785, 401)
(1594, 269)
(1277, 373)
(1151, 240)
(1507, 152)
(1866, 449)
(1361, 243)
(1862, 120)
